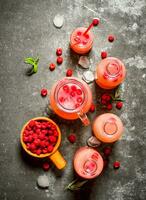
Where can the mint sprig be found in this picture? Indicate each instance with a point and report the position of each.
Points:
(34, 62)
(75, 185)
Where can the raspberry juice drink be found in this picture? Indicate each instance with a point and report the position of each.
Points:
(71, 98)
(110, 72)
(88, 163)
(107, 127)
(79, 42)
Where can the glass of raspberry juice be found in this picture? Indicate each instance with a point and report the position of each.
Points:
(71, 98)
(110, 72)
(107, 127)
(79, 42)
(88, 163)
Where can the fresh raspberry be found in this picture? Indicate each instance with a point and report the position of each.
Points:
(107, 151)
(73, 87)
(42, 144)
(32, 147)
(38, 131)
(69, 72)
(109, 106)
(50, 132)
(52, 139)
(32, 123)
(56, 133)
(79, 91)
(72, 138)
(25, 139)
(79, 99)
(111, 38)
(103, 54)
(41, 136)
(58, 51)
(45, 150)
(30, 138)
(59, 60)
(73, 94)
(116, 165)
(50, 148)
(108, 97)
(95, 22)
(103, 102)
(92, 108)
(52, 66)
(46, 166)
(28, 128)
(26, 132)
(37, 142)
(38, 151)
(44, 92)
(119, 104)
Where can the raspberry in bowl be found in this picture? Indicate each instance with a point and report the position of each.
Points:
(40, 138)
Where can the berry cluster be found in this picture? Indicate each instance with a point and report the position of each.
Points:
(40, 137)
(59, 59)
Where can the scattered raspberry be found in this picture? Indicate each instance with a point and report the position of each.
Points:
(109, 106)
(52, 66)
(107, 151)
(46, 166)
(119, 105)
(69, 72)
(103, 102)
(59, 60)
(103, 54)
(92, 108)
(111, 38)
(44, 92)
(116, 165)
(95, 21)
(58, 51)
(72, 138)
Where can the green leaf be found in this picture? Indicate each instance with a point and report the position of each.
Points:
(34, 62)
(75, 185)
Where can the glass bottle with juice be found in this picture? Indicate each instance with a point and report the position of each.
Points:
(88, 163)
(107, 127)
(110, 72)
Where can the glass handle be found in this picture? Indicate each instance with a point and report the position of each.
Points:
(83, 117)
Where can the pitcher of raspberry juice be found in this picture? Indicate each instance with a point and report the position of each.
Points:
(110, 72)
(71, 98)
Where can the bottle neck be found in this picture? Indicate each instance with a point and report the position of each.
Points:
(113, 69)
(110, 127)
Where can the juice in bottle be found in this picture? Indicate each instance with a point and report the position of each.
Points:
(110, 72)
(107, 127)
(79, 42)
(88, 163)
(71, 98)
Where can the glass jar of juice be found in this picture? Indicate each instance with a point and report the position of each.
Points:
(107, 127)
(71, 98)
(110, 72)
(79, 42)
(88, 163)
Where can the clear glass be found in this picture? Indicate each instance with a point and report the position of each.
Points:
(107, 127)
(110, 72)
(88, 163)
(79, 42)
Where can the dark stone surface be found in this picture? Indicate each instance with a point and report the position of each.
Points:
(26, 29)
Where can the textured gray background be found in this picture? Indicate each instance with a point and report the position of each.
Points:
(26, 29)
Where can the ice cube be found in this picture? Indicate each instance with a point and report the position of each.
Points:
(84, 62)
(43, 181)
(88, 76)
(58, 20)
(93, 142)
